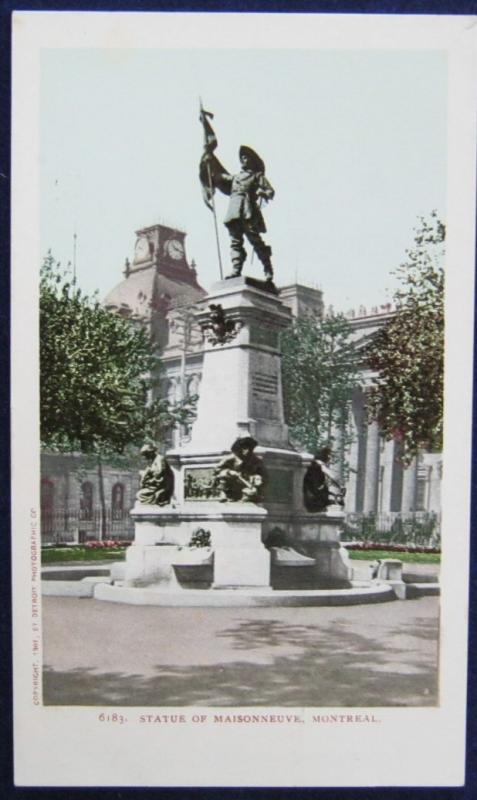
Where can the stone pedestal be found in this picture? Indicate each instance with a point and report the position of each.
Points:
(389, 571)
(241, 387)
(240, 557)
(161, 552)
(320, 539)
(239, 567)
(151, 565)
(240, 395)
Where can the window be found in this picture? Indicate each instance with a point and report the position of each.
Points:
(117, 500)
(86, 500)
(47, 496)
(421, 494)
(47, 505)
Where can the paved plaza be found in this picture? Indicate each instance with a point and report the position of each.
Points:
(99, 653)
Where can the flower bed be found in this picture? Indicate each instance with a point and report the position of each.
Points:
(392, 548)
(106, 544)
(410, 529)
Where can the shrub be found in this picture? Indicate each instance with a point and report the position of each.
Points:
(200, 538)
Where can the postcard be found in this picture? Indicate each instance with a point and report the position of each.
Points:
(242, 282)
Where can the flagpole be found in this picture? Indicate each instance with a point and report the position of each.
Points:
(253, 250)
(215, 223)
(209, 175)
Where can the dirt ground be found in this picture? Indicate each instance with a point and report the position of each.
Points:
(101, 654)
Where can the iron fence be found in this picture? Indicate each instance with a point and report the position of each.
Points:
(74, 525)
(419, 528)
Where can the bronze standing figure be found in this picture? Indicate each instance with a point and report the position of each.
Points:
(247, 190)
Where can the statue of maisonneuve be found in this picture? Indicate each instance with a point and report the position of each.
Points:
(247, 189)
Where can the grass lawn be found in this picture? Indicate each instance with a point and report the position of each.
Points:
(56, 555)
(408, 558)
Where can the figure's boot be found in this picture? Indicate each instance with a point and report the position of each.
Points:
(236, 271)
(265, 258)
(238, 256)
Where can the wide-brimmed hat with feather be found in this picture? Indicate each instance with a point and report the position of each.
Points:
(256, 163)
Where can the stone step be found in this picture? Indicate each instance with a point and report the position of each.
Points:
(419, 577)
(414, 590)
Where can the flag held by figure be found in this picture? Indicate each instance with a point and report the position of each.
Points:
(211, 171)
(210, 139)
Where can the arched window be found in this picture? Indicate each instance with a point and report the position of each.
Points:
(47, 496)
(86, 500)
(193, 385)
(117, 501)
(172, 390)
(47, 505)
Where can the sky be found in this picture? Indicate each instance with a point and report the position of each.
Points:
(354, 143)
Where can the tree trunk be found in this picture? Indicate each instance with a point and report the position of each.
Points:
(102, 501)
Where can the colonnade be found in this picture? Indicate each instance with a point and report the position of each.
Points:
(377, 480)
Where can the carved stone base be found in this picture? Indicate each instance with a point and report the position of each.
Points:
(160, 556)
(264, 285)
(240, 558)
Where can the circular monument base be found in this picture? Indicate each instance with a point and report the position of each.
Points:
(360, 592)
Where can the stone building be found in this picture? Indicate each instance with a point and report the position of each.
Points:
(160, 290)
(82, 500)
(377, 481)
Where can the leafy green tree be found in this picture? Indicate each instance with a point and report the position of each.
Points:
(98, 376)
(319, 376)
(408, 352)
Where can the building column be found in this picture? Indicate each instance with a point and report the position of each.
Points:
(337, 466)
(387, 482)
(397, 480)
(409, 487)
(353, 466)
(435, 470)
(371, 477)
(356, 416)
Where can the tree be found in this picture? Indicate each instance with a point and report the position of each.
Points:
(97, 372)
(319, 375)
(408, 352)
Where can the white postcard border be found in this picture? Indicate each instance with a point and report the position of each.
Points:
(69, 746)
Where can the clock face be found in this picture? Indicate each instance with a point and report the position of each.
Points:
(141, 251)
(174, 248)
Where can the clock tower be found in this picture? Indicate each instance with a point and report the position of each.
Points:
(157, 279)
(163, 248)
